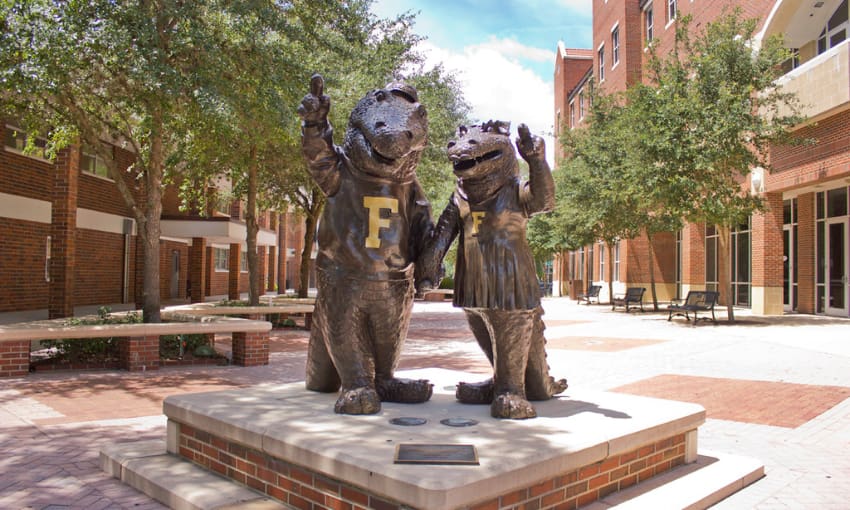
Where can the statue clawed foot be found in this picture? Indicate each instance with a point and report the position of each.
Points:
(405, 391)
(511, 406)
(363, 400)
(475, 393)
(482, 392)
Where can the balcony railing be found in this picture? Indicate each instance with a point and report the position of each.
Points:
(823, 83)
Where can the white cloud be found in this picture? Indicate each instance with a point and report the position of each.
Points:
(514, 49)
(581, 6)
(497, 86)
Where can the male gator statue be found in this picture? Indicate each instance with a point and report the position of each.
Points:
(495, 279)
(372, 230)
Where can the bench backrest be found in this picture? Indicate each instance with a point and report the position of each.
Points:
(635, 293)
(593, 290)
(707, 298)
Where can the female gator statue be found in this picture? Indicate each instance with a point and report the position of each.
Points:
(495, 280)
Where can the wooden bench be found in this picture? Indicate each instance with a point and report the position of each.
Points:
(696, 301)
(632, 297)
(138, 343)
(592, 292)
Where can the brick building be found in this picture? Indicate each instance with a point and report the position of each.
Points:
(69, 240)
(795, 256)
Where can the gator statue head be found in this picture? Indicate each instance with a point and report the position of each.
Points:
(483, 158)
(387, 131)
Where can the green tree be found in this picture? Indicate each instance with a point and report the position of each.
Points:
(246, 131)
(596, 200)
(708, 117)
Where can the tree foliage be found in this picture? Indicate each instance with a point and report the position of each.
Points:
(680, 146)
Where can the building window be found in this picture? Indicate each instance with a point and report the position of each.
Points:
(220, 258)
(602, 262)
(711, 274)
(581, 105)
(243, 262)
(93, 163)
(589, 264)
(615, 47)
(15, 139)
(647, 24)
(679, 264)
(671, 10)
(616, 257)
(572, 114)
(789, 256)
(740, 258)
(835, 30)
(601, 54)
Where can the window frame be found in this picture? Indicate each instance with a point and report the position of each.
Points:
(92, 155)
(40, 143)
(648, 24)
(600, 54)
(672, 11)
(615, 46)
(219, 255)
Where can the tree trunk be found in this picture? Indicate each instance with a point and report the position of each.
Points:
(652, 271)
(312, 210)
(306, 251)
(725, 269)
(151, 230)
(610, 246)
(252, 228)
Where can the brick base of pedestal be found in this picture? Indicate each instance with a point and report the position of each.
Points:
(139, 353)
(303, 487)
(251, 349)
(14, 358)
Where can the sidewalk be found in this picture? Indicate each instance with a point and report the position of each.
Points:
(776, 389)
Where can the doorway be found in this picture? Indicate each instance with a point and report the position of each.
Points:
(837, 267)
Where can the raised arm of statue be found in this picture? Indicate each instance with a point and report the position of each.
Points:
(538, 194)
(317, 145)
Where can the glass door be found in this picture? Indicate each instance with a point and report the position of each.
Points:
(837, 266)
(787, 258)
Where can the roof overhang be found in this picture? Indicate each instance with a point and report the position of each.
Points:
(215, 231)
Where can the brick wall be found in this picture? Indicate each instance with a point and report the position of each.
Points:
(99, 271)
(25, 176)
(827, 158)
(303, 488)
(767, 244)
(806, 253)
(22, 264)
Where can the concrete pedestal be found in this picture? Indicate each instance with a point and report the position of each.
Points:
(288, 445)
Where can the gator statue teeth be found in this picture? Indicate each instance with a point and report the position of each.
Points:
(495, 278)
(373, 228)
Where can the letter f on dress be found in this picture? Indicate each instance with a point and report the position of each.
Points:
(376, 223)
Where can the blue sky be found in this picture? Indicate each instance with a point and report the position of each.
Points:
(502, 50)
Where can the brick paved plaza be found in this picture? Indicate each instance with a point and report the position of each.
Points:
(774, 388)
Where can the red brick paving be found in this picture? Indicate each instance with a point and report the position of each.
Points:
(777, 404)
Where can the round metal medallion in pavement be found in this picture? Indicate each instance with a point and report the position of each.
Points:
(459, 422)
(408, 421)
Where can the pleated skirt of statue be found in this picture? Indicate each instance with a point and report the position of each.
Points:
(495, 276)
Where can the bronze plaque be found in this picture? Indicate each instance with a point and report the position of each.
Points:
(463, 454)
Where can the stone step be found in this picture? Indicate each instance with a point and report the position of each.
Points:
(712, 478)
(179, 484)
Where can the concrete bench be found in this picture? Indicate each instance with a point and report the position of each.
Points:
(138, 343)
(438, 294)
(254, 312)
